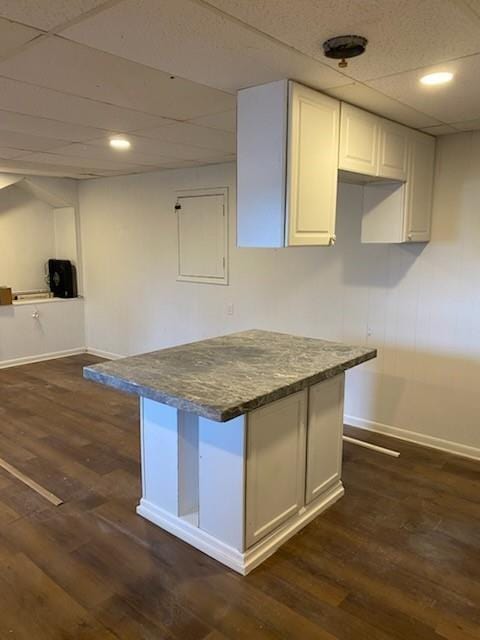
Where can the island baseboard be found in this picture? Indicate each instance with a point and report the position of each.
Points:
(243, 563)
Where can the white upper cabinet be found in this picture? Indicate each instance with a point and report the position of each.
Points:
(393, 151)
(287, 161)
(419, 187)
(372, 146)
(396, 211)
(294, 144)
(359, 133)
(312, 167)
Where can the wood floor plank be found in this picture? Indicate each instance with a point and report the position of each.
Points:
(27, 480)
(396, 559)
(34, 606)
(76, 579)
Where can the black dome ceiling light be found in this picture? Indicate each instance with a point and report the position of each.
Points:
(343, 47)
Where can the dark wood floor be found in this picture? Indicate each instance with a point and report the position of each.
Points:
(397, 558)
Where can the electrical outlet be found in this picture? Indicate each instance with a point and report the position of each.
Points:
(230, 309)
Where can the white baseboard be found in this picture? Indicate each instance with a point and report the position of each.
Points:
(241, 562)
(413, 436)
(16, 362)
(103, 354)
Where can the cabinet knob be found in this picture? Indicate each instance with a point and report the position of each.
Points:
(35, 315)
(333, 239)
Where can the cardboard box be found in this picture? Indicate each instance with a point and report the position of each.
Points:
(5, 296)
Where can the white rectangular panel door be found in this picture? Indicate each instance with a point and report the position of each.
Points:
(359, 132)
(393, 155)
(275, 482)
(324, 436)
(312, 166)
(202, 233)
(420, 187)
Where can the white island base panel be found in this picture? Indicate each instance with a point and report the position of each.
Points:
(241, 562)
(238, 490)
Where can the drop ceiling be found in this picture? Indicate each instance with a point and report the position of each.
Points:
(165, 73)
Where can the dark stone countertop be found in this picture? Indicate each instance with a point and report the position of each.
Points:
(224, 377)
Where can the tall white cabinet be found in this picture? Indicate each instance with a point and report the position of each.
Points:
(400, 211)
(419, 188)
(312, 158)
(287, 160)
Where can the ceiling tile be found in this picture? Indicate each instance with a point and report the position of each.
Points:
(106, 154)
(193, 135)
(37, 168)
(156, 148)
(440, 130)
(192, 40)
(73, 161)
(201, 162)
(367, 98)
(453, 102)
(468, 125)
(472, 7)
(47, 14)
(225, 121)
(62, 97)
(14, 35)
(402, 34)
(7, 152)
(26, 141)
(10, 121)
(20, 97)
(100, 76)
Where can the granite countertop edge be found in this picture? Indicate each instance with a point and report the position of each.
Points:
(228, 413)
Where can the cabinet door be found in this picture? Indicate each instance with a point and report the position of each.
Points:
(419, 187)
(393, 154)
(275, 483)
(324, 436)
(358, 141)
(312, 167)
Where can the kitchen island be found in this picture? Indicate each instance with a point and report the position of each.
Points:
(241, 437)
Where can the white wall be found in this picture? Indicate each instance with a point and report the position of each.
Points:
(27, 239)
(36, 224)
(31, 331)
(419, 304)
(63, 194)
(64, 225)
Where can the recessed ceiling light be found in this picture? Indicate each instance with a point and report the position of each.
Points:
(120, 144)
(440, 77)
